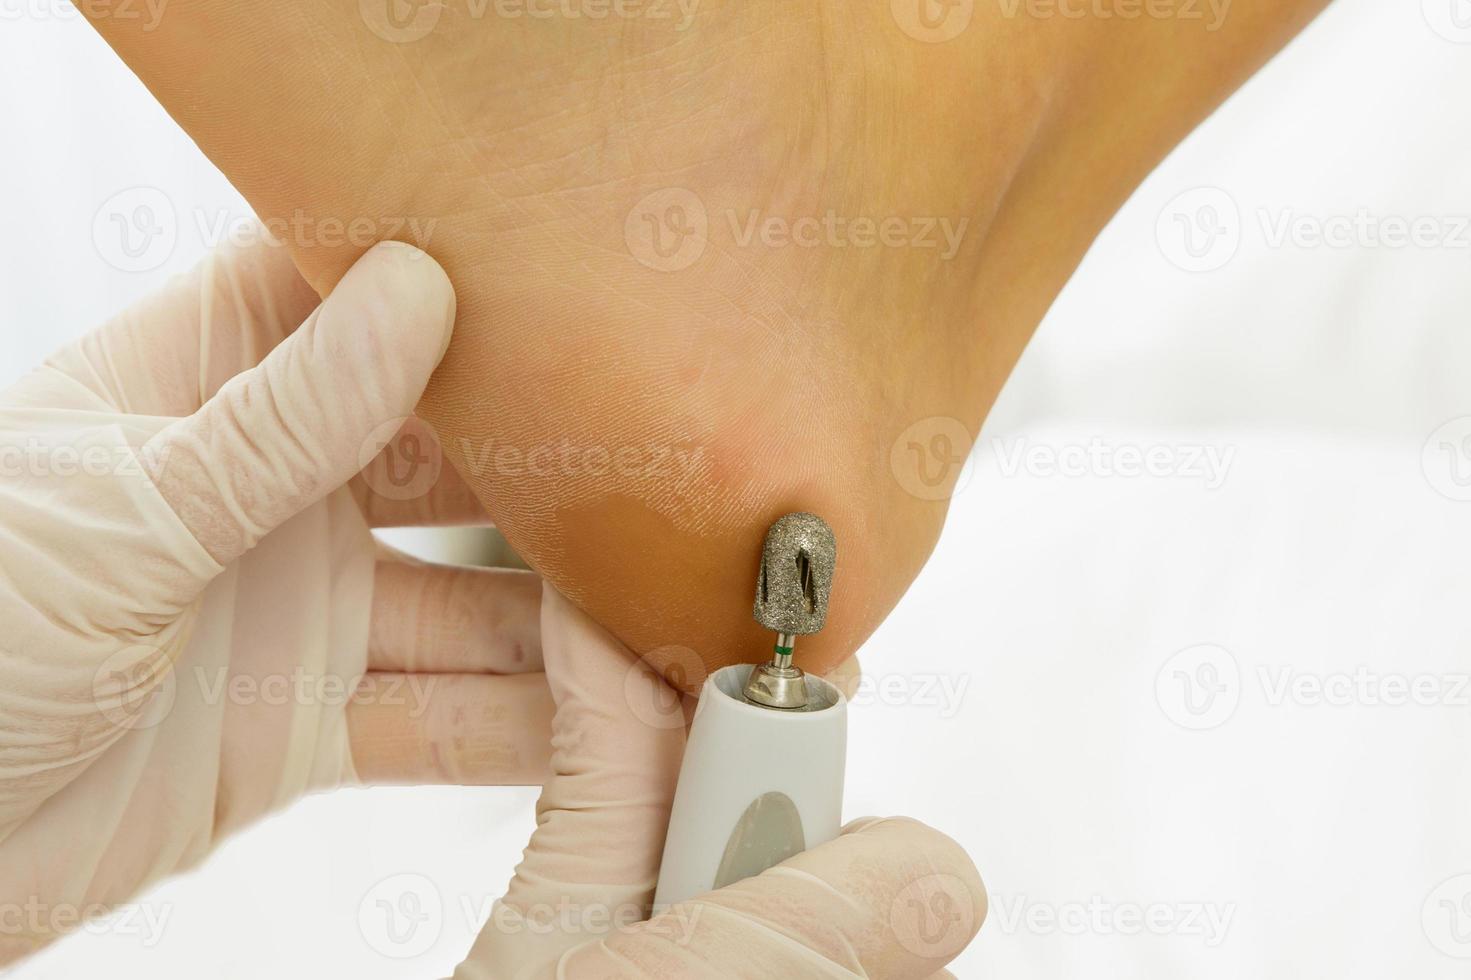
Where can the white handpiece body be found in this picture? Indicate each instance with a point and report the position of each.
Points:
(757, 785)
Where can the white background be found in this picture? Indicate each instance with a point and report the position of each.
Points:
(1086, 685)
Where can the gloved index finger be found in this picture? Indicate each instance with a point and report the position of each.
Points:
(172, 350)
(594, 859)
(281, 436)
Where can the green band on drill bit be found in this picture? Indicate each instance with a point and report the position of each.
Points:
(782, 649)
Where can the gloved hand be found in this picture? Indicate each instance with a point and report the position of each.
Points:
(889, 898)
(195, 626)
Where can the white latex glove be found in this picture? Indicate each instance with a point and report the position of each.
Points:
(189, 596)
(889, 899)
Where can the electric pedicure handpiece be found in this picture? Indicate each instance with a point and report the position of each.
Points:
(762, 777)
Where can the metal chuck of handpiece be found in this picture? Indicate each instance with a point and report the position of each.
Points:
(792, 590)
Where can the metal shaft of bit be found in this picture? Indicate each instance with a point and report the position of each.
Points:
(792, 589)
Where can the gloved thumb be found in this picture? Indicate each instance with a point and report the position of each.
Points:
(888, 898)
(281, 436)
(593, 860)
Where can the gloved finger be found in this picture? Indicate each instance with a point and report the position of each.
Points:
(889, 898)
(172, 350)
(602, 815)
(453, 618)
(454, 729)
(846, 676)
(409, 483)
(284, 434)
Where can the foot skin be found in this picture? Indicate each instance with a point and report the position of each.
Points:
(715, 262)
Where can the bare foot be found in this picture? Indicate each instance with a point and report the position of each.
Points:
(715, 261)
